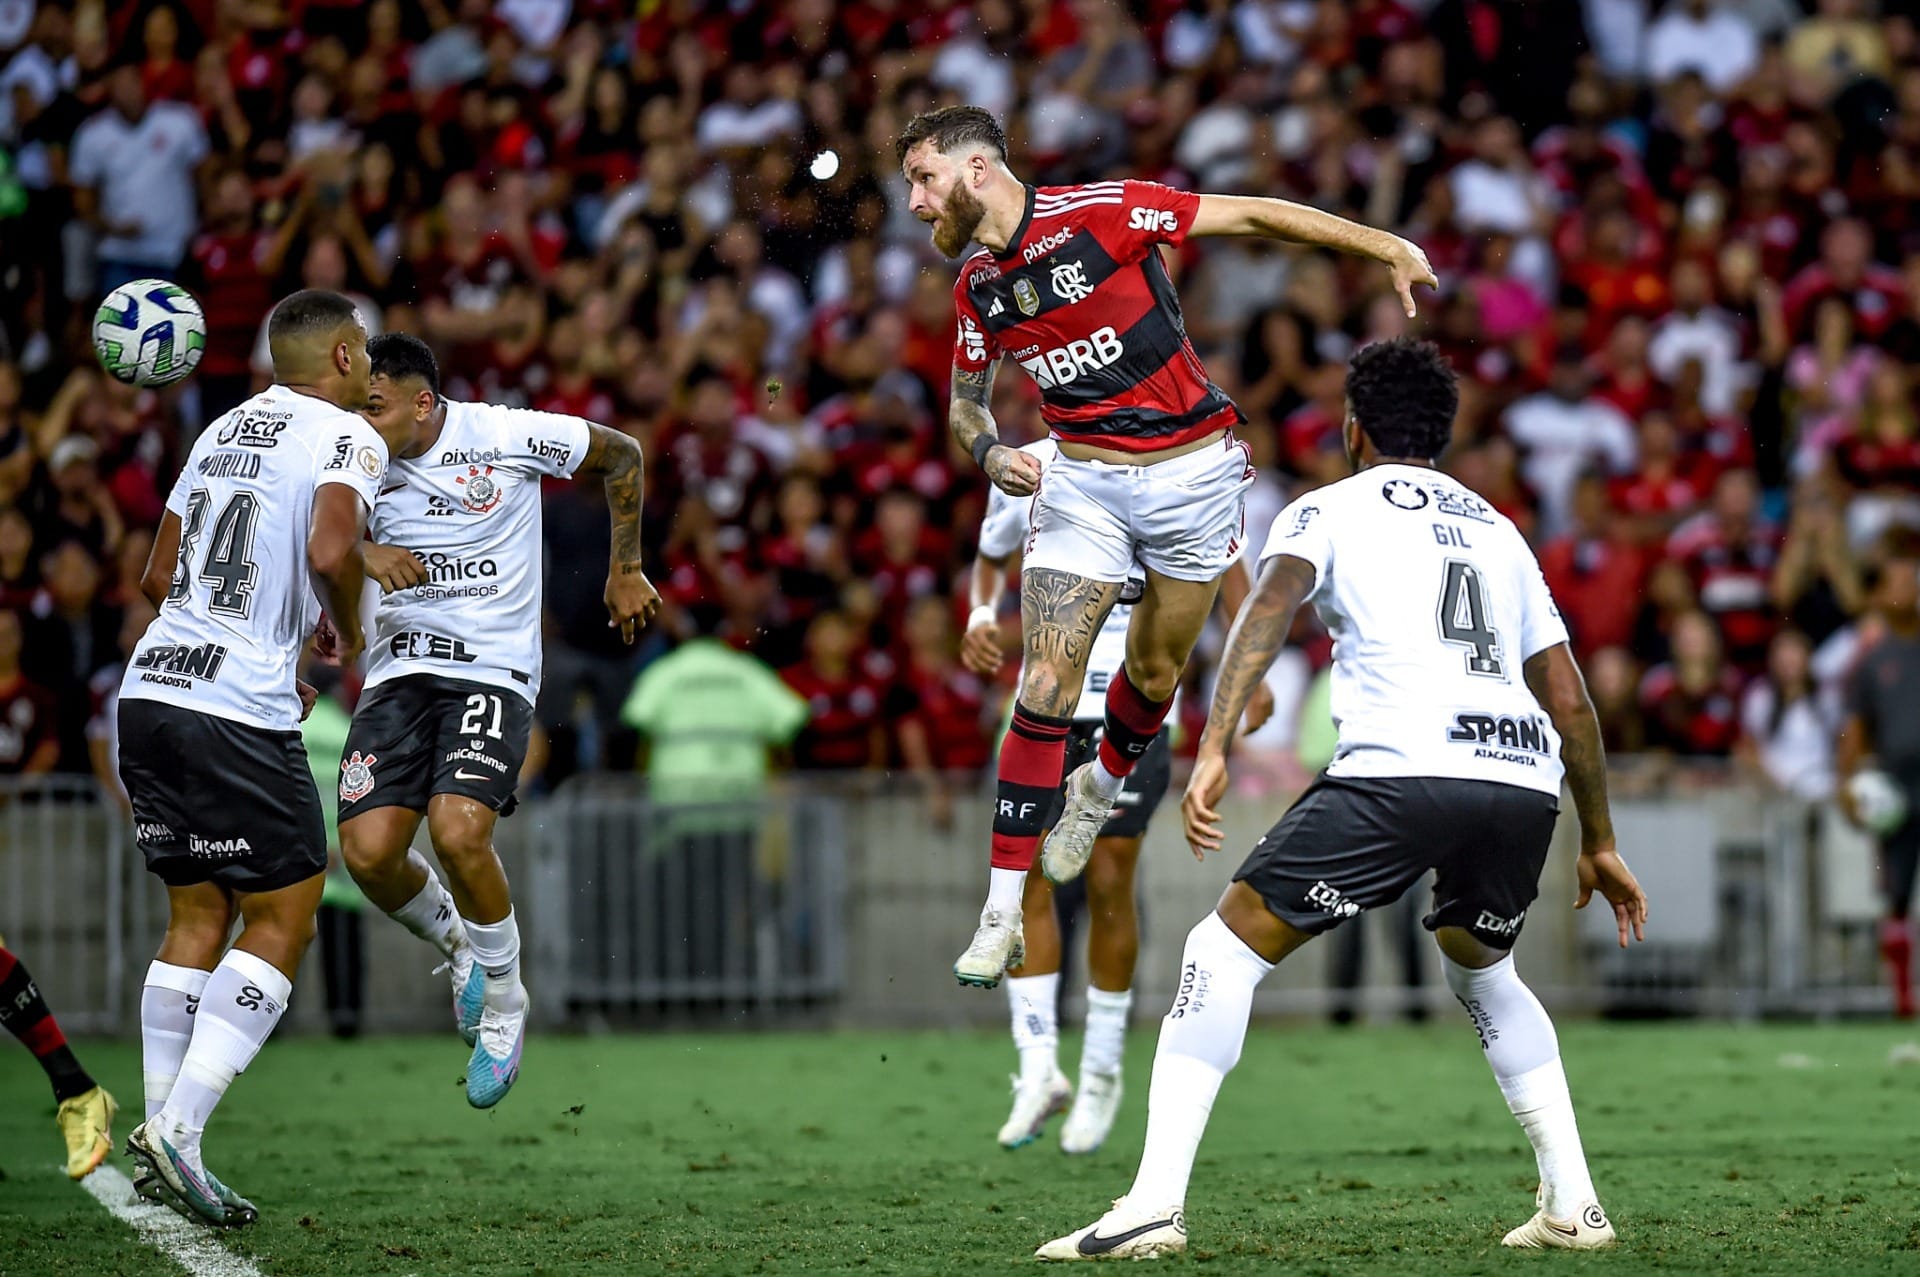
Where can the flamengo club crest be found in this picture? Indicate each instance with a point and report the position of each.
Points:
(479, 491)
(1070, 281)
(356, 777)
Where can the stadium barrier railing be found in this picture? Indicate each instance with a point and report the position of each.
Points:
(843, 900)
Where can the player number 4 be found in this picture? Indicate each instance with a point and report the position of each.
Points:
(1463, 619)
(477, 706)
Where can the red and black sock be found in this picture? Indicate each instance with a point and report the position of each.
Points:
(1896, 950)
(25, 1015)
(1032, 759)
(1132, 723)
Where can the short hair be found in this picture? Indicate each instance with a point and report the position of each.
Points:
(399, 356)
(949, 127)
(311, 312)
(1403, 393)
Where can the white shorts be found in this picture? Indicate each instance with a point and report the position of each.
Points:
(1185, 518)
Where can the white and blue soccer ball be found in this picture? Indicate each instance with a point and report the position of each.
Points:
(150, 333)
(1879, 800)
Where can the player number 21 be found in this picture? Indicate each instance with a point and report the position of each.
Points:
(476, 715)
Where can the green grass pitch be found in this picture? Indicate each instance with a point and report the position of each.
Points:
(1780, 1150)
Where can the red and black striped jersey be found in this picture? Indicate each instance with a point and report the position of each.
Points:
(1081, 299)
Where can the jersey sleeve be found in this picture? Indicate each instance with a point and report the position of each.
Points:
(354, 457)
(974, 348)
(1302, 531)
(544, 443)
(1541, 625)
(1005, 524)
(1150, 214)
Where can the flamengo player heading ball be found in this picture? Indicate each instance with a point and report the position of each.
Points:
(1069, 281)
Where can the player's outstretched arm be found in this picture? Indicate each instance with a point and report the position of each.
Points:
(970, 417)
(1235, 588)
(1300, 224)
(1555, 681)
(631, 598)
(333, 552)
(1259, 632)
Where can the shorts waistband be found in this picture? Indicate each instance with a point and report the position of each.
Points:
(1199, 461)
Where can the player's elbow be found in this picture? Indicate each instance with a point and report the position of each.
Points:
(331, 557)
(156, 584)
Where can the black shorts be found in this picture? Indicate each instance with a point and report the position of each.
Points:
(1146, 783)
(219, 801)
(1359, 843)
(422, 735)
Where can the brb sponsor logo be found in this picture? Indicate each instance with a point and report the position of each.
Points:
(1152, 220)
(181, 664)
(1066, 364)
(416, 645)
(1195, 980)
(1504, 738)
(1046, 244)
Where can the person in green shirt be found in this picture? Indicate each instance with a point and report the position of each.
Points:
(711, 717)
(343, 946)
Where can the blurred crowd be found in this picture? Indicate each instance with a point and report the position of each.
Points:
(1679, 257)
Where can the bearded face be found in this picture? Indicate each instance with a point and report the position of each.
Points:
(955, 225)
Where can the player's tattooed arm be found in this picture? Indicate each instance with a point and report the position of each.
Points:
(631, 599)
(970, 417)
(1303, 224)
(1555, 681)
(1259, 632)
(1060, 614)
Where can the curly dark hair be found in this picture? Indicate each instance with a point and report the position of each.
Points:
(1403, 394)
(949, 127)
(400, 356)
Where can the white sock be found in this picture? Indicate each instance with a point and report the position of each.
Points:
(1106, 1031)
(1524, 1054)
(1034, 1002)
(431, 916)
(496, 951)
(244, 998)
(1105, 782)
(1200, 1043)
(1006, 889)
(167, 1003)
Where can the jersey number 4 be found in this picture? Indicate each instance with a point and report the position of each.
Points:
(1463, 619)
(228, 567)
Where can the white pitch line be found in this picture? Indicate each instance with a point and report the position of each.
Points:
(187, 1245)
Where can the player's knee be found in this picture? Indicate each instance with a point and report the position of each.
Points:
(1043, 689)
(368, 857)
(1155, 677)
(1109, 881)
(463, 844)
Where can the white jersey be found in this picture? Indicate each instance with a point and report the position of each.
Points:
(1002, 534)
(469, 507)
(1435, 602)
(228, 639)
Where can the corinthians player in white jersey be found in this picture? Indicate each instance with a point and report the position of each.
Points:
(1459, 708)
(1040, 1089)
(454, 666)
(269, 511)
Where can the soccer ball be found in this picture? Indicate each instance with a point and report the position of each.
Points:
(149, 333)
(1881, 802)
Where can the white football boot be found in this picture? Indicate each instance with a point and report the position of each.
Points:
(1122, 1233)
(1070, 845)
(1033, 1105)
(1093, 1112)
(1589, 1229)
(999, 943)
